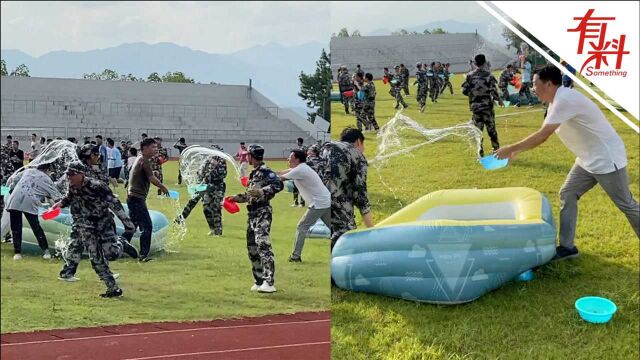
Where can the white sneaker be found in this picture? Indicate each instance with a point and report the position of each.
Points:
(266, 288)
(47, 255)
(255, 287)
(17, 257)
(68, 279)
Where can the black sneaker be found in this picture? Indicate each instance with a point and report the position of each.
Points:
(295, 259)
(129, 249)
(144, 259)
(563, 253)
(111, 293)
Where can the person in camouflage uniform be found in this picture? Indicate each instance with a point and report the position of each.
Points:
(345, 84)
(369, 106)
(358, 103)
(396, 87)
(446, 82)
(263, 185)
(348, 183)
(317, 163)
(212, 173)
(404, 72)
(505, 79)
(480, 87)
(423, 87)
(162, 155)
(434, 81)
(6, 170)
(296, 193)
(90, 202)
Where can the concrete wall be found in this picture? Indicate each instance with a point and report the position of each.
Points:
(223, 114)
(374, 53)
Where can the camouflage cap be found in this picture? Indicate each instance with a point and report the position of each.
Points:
(256, 151)
(75, 167)
(315, 148)
(88, 149)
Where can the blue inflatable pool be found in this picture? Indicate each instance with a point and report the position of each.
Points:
(60, 227)
(448, 247)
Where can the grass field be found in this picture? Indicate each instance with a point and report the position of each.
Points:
(205, 278)
(534, 320)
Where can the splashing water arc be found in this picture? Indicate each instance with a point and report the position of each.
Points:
(193, 159)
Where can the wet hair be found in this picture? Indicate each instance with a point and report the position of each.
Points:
(71, 139)
(110, 141)
(300, 155)
(509, 66)
(144, 135)
(146, 142)
(43, 140)
(368, 76)
(99, 137)
(34, 135)
(9, 137)
(480, 60)
(300, 140)
(16, 142)
(50, 140)
(350, 135)
(58, 138)
(133, 151)
(182, 140)
(242, 143)
(550, 73)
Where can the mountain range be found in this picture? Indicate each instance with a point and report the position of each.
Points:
(273, 68)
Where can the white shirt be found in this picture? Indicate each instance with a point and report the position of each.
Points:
(586, 132)
(310, 186)
(31, 189)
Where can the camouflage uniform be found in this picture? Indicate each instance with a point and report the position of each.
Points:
(213, 173)
(348, 187)
(369, 106)
(423, 88)
(396, 91)
(405, 80)
(434, 84)
(480, 87)
(259, 222)
(156, 165)
(446, 74)
(92, 229)
(317, 162)
(345, 84)
(358, 105)
(6, 170)
(505, 78)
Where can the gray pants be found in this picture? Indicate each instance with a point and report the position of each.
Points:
(308, 219)
(578, 182)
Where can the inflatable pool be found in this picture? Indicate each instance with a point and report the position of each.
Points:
(449, 247)
(319, 230)
(61, 227)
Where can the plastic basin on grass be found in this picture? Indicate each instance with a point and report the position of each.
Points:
(289, 185)
(192, 189)
(490, 162)
(244, 181)
(595, 309)
(526, 276)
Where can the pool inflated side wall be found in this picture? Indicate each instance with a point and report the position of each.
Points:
(446, 261)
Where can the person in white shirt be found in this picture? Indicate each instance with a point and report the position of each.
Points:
(315, 194)
(114, 162)
(600, 154)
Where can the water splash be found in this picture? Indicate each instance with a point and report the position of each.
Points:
(392, 143)
(193, 159)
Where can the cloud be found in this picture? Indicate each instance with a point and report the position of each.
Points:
(220, 27)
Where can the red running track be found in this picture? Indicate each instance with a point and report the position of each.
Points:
(297, 336)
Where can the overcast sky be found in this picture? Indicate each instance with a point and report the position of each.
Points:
(216, 27)
(370, 16)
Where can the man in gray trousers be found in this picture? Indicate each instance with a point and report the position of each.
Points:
(315, 194)
(600, 154)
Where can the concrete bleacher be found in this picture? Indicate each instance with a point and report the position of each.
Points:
(374, 53)
(204, 114)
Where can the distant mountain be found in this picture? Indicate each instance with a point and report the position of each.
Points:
(273, 68)
(489, 32)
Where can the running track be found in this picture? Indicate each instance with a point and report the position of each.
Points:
(297, 336)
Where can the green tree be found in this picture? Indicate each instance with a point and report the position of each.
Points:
(315, 89)
(426, 32)
(356, 33)
(439, 31)
(343, 32)
(106, 74)
(130, 77)
(400, 32)
(176, 77)
(154, 77)
(21, 70)
(3, 69)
